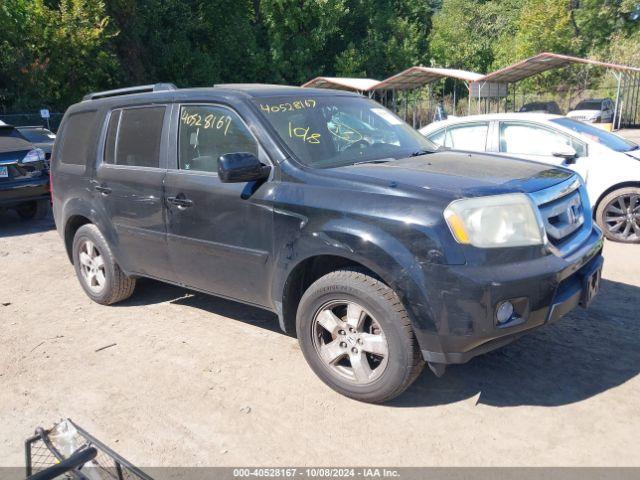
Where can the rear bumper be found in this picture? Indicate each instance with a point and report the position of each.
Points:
(21, 191)
(543, 291)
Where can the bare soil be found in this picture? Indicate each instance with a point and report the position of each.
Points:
(196, 380)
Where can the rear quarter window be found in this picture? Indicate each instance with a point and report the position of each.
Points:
(76, 138)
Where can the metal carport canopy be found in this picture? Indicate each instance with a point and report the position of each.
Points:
(416, 77)
(343, 83)
(541, 63)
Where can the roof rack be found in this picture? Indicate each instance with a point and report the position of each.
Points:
(158, 87)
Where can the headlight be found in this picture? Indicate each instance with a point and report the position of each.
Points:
(496, 221)
(35, 155)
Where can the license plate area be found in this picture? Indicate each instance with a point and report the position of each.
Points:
(4, 171)
(591, 285)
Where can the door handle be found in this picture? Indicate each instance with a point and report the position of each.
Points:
(180, 202)
(102, 189)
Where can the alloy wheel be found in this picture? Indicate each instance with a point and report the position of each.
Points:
(350, 342)
(622, 217)
(92, 266)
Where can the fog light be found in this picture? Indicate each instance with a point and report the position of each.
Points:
(504, 312)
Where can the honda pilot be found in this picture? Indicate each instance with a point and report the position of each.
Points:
(381, 253)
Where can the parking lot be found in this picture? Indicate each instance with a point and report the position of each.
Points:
(189, 379)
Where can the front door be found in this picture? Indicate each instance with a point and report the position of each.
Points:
(538, 143)
(220, 234)
(128, 186)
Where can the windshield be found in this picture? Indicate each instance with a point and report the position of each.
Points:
(596, 134)
(37, 135)
(331, 131)
(7, 131)
(531, 107)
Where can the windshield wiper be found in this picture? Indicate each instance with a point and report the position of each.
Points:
(418, 153)
(378, 160)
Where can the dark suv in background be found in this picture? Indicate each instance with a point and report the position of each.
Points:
(24, 175)
(379, 252)
(39, 136)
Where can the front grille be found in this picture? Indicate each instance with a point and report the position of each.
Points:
(565, 214)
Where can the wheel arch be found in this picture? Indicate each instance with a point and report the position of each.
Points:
(72, 225)
(307, 271)
(612, 188)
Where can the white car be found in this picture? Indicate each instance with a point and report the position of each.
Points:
(596, 110)
(609, 164)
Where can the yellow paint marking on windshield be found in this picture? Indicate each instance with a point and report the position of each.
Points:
(303, 134)
(288, 106)
(344, 132)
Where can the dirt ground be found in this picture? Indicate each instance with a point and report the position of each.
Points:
(195, 380)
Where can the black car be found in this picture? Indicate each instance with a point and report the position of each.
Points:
(542, 107)
(378, 252)
(24, 175)
(39, 136)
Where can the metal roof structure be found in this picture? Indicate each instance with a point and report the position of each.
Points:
(343, 83)
(416, 77)
(541, 63)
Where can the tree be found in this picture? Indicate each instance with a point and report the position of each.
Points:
(51, 55)
(465, 32)
(302, 36)
(188, 42)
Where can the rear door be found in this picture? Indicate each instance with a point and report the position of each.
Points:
(128, 184)
(219, 234)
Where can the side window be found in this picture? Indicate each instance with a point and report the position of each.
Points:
(133, 137)
(76, 138)
(468, 137)
(518, 138)
(206, 133)
(437, 137)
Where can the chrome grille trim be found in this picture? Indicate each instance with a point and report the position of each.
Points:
(563, 216)
(564, 211)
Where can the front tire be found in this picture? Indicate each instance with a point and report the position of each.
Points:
(97, 271)
(618, 214)
(357, 337)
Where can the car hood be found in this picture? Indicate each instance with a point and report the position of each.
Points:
(462, 174)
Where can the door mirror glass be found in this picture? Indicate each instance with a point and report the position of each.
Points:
(568, 153)
(241, 167)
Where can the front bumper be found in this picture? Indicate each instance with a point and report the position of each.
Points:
(543, 291)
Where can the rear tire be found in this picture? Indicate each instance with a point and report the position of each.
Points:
(618, 214)
(35, 210)
(357, 337)
(97, 271)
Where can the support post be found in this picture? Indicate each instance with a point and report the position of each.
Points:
(617, 106)
(455, 81)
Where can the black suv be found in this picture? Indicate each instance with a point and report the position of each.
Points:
(379, 252)
(24, 175)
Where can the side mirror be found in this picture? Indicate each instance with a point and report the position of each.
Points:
(568, 153)
(241, 167)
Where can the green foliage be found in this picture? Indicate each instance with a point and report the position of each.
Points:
(50, 54)
(54, 51)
